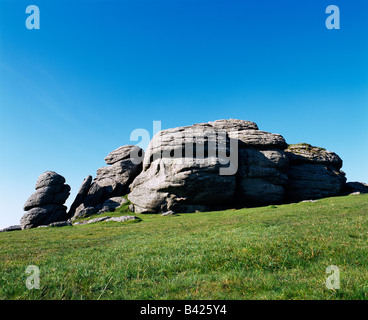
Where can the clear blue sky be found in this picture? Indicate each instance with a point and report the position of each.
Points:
(74, 90)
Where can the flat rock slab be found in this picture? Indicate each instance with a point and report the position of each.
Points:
(123, 218)
(100, 219)
(56, 224)
(91, 221)
(168, 213)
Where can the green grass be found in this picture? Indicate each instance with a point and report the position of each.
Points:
(273, 252)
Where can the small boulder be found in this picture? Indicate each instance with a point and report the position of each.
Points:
(82, 211)
(110, 205)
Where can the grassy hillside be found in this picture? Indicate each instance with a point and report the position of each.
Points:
(274, 252)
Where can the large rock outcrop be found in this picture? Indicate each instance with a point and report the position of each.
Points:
(205, 166)
(46, 204)
(313, 173)
(267, 170)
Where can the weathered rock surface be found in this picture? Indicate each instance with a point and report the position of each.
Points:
(259, 139)
(262, 176)
(109, 205)
(124, 165)
(99, 219)
(169, 213)
(83, 212)
(355, 186)
(305, 153)
(113, 180)
(269, 171)
(123, 153)
(43, 215)
(82, 193)
(57, 224)
(181, 171)
(231, 125)
(313, 173)
(122, 218)
(49, 178)
(106, 218)
(48, 194)
(45, 205)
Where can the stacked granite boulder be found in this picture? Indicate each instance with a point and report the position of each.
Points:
(261, 176)
(112, 181)
(46, 204)
(313, 173)
(181, 171)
